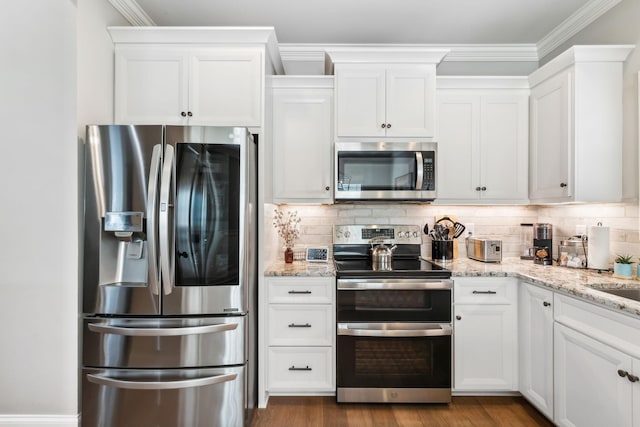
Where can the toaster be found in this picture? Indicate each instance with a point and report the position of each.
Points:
(485, 250)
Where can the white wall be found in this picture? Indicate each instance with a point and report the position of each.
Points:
(39, 227)
(57, 75)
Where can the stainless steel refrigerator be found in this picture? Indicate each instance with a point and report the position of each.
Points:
(169, 278)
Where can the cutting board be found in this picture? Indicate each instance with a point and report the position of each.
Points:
(449, 223)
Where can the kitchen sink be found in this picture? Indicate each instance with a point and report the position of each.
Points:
(633, 294)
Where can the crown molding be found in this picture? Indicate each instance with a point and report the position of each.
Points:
(579, 20)
(132, 12)
(301, 52)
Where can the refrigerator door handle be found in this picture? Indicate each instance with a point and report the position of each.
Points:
(161, 332)
(152, 218)
(167, 255)
(160, 385)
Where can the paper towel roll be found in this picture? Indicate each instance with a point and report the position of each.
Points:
(598, 247)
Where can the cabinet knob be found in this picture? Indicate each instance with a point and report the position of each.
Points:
(563, 184)
(326, 188)
(384, 125)
(388, 125)
(546, 304)
(622, 373)
(484, 188)
(458, 317)
(189, 114)
(632, 378)
(183, 114)
(478, 188)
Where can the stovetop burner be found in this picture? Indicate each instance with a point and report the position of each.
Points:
(352, 252)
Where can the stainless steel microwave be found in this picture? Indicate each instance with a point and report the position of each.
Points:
(385, 171)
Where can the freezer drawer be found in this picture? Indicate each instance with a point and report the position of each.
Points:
(163, 343)
(163, 397)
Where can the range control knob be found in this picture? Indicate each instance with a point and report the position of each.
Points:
(347, 234)
(415, 234)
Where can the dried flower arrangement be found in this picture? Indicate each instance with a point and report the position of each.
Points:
(287, 226)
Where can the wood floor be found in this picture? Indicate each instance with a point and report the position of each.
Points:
(462, 412)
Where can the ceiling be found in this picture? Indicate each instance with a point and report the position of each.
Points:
(441, 22)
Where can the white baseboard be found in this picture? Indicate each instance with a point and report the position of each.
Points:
(39, 420)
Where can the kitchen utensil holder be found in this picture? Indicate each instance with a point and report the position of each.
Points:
(442, 250)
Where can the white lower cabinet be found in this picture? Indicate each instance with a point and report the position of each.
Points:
(535, 342)
(596, 365)
(485, 334)
(588, 389)
(300, 335)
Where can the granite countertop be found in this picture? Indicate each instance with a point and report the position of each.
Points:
(581, 283)
(301, 268)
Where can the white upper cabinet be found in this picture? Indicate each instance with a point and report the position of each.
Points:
(302, 139)
(576, 126)
(482, 139)
(193, 76)
(385, 94)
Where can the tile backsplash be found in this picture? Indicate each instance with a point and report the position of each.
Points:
(498, 222)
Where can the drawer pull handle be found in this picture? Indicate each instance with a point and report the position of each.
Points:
(300, 292)
(485, 292)
(306, 368)
(293, 325)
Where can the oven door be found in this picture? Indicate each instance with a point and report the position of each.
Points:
(393, 300)
(374, 171)
(393, 362)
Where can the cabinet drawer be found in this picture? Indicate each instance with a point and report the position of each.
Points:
(293, 369)
(497, 290)
(309, 324)
(614, 329)
(313, 290)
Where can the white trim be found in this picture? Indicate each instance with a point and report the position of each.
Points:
(301, 81)
(40, 420)
(482, 82)
(579, 20)
(132, 12)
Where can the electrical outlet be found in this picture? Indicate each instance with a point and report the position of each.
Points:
(469, 230)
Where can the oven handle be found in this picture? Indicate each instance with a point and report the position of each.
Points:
(395, 284)
(393, 330)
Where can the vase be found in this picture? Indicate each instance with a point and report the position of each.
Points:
(288, 255)
(622, 270)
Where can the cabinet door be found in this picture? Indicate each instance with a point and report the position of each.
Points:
(151, 85)
(485, 348)
(536, 346)
(360, 101)
(411, 101)
(458, 146)
(503, 152)
(225, 87)
(302, 145)
(587, 387)
(551, 137)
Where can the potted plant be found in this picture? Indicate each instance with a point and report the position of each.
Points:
(622, 266)
(287, 229)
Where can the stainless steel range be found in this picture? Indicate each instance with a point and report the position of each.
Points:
(393, 324)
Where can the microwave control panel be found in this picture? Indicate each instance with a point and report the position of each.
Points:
(428, 171)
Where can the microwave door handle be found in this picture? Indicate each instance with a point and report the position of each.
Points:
(419, 170)
(159, 385)
(152, 218)
(167, 257)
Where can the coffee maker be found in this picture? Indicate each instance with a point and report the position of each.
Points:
(542, 243)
